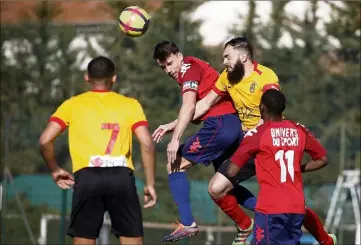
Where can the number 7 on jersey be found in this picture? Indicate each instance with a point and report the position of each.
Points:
(113, 137)
(290, 158)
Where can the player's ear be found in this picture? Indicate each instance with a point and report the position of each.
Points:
(243, 57)
(86, 77)
(180, 55)
(261, 109)
(114, 78)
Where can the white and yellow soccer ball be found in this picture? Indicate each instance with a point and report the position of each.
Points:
(134, 21)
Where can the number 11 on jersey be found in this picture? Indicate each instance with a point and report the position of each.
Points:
(290, 158)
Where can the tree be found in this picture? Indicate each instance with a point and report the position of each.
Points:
(37, 61)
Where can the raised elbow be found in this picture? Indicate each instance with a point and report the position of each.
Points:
(325, 161)
(43, 141)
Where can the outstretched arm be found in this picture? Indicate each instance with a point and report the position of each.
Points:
(206, 104)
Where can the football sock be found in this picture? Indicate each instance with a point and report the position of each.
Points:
(313, 224)
(245, 197)
(229, 205)
(179, 187)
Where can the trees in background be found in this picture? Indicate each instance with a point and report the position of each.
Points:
(319, 73)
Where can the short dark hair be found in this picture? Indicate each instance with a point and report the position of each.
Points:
(164, 49)
(241, 43)
(275, 102)
(101, 68)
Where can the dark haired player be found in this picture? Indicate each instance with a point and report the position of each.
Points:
(278, 147)
(101, 124)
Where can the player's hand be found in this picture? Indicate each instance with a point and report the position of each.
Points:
(150, 196)
(172, 150)
(163, 130)
(63, 178)
(260, 122)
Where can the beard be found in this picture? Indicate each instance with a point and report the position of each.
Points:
(237, 73)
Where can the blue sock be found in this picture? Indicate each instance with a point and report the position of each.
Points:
(179, 186)
(245, 197)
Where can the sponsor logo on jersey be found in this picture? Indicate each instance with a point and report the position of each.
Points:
(252, 88)
(184, 68)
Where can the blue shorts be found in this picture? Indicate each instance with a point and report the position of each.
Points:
(215, 142)
(270, 229)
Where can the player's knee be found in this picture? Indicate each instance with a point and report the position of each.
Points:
(215, 191)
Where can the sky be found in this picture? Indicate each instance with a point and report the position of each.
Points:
(218, 16)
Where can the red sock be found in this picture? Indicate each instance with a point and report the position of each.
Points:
(229, 205)
(313, 224)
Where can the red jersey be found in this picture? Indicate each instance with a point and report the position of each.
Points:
(278, 148)
(198, 76)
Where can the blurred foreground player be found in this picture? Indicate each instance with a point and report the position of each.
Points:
(100, 124)
(215, 142)
(278, 147)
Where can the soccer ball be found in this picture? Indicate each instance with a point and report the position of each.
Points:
(134, 21)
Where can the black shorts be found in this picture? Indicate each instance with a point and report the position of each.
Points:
(97, 190)
(246, 172)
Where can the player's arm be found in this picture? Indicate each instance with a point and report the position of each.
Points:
(190, 81)
(141, 131)
(218, 90)
(317, 152)
(186, 114)
(271, 81)
(147, 152)
(148, 159)
(206, 104)
(57, 123)
(46, 144)
(247, 149)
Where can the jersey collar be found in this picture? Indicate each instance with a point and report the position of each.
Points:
(255, 67)
(100, 90)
